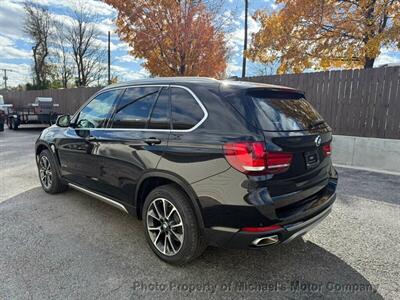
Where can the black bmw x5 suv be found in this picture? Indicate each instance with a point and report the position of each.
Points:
(200, 161)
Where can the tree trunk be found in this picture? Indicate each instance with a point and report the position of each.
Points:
(369, 63)
(182, 70)
(36, 65)
(370, 31)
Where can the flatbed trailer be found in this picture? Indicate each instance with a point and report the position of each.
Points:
(40, 112)
(3, 112)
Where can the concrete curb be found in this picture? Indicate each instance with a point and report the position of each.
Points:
(367, 169)
(378, 155)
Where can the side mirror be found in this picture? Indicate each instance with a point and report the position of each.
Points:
(63, 121)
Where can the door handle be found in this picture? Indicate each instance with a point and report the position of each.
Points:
(152, 141)
(90, 138)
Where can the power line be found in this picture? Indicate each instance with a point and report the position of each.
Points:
(246, 9)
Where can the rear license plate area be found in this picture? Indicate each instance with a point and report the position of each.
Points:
(311, 158)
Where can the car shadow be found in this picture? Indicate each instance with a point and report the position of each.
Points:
(299, 269)
(377, 186)
(74, 245)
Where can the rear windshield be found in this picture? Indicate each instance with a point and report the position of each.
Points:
(281, 111)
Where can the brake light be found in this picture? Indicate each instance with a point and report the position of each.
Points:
(252, 158)
(327, 149)
(261, 229)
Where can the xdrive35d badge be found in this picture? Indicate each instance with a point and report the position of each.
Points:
(199, 161)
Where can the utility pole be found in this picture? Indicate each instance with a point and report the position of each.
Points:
(5, 77)
(109, 59)
(246, 8)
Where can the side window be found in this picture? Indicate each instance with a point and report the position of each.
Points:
(135, 107)
(186, 112)
(98, 111)
(160, 115)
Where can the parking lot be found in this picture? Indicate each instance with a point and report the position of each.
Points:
(72, 246)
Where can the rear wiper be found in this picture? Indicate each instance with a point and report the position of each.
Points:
(316, 123)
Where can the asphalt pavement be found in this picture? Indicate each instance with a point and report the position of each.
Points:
(70, 246)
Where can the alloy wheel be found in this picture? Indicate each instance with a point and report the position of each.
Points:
(46, 175)
(165, 226)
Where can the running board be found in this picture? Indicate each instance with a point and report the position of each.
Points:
(99, 197)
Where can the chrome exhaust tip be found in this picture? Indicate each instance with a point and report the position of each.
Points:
(265, 241)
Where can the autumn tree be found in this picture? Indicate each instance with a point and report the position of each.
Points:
(322, 34)
(37, 25)
(175, 37)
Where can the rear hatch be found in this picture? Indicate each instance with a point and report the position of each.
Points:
(289, 124)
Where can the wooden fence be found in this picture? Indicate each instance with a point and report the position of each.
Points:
(354, 102)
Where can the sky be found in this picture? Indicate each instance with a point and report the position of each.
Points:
(16, 53)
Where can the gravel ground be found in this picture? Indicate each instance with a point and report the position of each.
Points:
(71, 246)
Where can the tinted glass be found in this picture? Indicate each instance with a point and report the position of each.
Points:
(98, 111)
(284, 112)
(186, 112)
(160, 115)
(134, 108)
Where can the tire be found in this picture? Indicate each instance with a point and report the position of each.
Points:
(1, 126)
(48, 176)
(183, 243)
(14, 124)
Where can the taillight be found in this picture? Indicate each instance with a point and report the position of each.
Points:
(278, 162)
(327, 149)
(252, 158)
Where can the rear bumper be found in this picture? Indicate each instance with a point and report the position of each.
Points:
(288, 233)
(230, 201)
(234, 238)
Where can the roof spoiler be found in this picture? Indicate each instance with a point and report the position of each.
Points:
(283, 91)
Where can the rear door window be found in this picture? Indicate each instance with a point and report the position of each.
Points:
(281, 111)
(134, 107)
(186, 111)
(160, 116)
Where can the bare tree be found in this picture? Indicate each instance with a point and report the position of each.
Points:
(87, 51)
(223, 18)
(62, 56)
(37, 25)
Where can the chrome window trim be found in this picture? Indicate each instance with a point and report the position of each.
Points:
(105, 90)
(147, 129)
